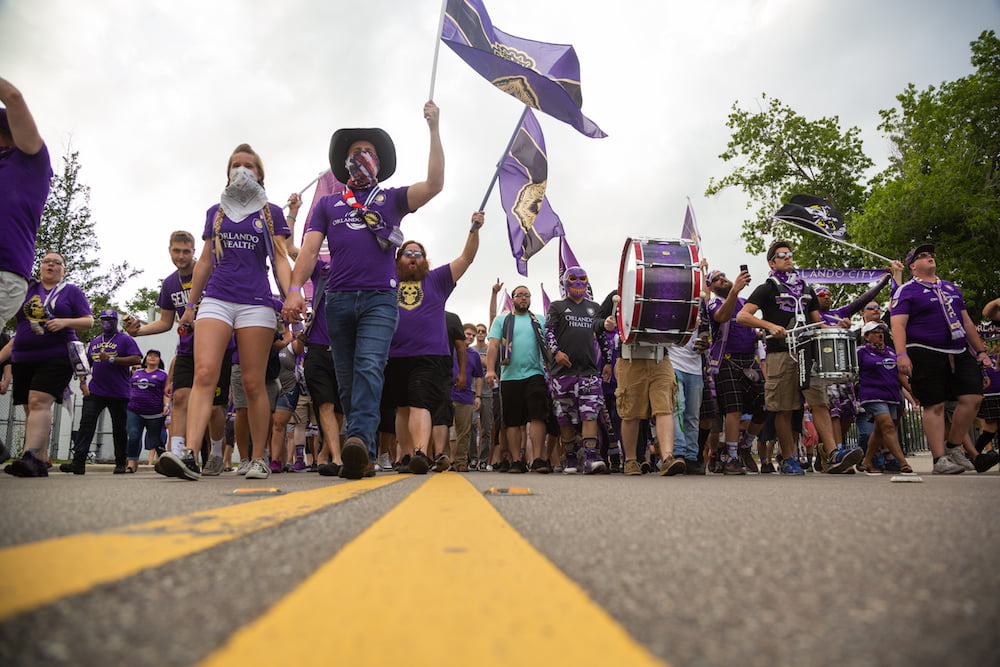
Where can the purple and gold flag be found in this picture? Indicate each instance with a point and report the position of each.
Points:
(689, 230)
(531, 222)
(566, 260)
(543, 76)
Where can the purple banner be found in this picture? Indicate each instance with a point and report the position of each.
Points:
(830, 276)
(541, 75)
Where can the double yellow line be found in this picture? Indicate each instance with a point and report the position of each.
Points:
(441, 579)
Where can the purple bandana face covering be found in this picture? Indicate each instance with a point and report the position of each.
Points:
(109, 326)
(363, 168)
(575, 282)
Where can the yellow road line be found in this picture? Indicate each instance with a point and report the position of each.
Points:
(441, 579)
(77, 563)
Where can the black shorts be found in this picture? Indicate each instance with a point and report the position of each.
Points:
(444, 413)
(768, 432)
(417, 382)
(51, 377)
(184, 376)
(524, 401)
(939, 377)
(321, 377)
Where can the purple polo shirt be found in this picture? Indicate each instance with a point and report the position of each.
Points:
(356, 260)
(24, 186)
(422, 330)
(927, 326)
(29, 346)
(174, 294)
(108, 378)
(241, 274)
(473, 369)
(146, 395)
(878, 378)
(741, 340)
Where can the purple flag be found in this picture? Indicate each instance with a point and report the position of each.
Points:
(690, 228)
(326, 185)
(541, 75)
(566, 260)
(508, 303)
(546, 301)
(531, 222)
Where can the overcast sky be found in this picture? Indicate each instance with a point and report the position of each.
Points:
(155, 94)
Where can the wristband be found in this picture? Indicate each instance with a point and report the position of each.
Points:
(982, 352)
(294, 289)
(902, 354)
(291, 217)
(189, 305)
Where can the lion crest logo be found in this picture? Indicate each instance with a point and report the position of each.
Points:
(34, 310)
(411, 294)
(518, 87)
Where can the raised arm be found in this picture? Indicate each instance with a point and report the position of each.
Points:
(23, 131)
(420, 193)
(461, 264)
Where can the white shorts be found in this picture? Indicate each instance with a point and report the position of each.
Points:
(13, 288)
(237, 315)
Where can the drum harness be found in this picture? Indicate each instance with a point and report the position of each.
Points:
(797, 346)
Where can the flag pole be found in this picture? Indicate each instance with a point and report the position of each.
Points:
(437, 48)
(503, 156)
(310, 184)
(835, 239)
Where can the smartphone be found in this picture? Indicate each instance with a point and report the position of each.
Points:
(743, 268)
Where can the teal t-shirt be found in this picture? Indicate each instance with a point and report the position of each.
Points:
(526, 359)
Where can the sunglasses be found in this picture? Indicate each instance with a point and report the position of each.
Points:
(872, 308)
(784, 254)
(718, 276)
(924, 255)
(413, 253)
(55, 262)
(480, 331)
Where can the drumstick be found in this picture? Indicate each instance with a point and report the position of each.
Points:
(802, 328)
(614, 311)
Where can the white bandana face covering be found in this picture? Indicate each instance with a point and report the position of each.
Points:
(243, 196)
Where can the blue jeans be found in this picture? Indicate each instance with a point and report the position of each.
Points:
(689, 391)
(361, 325)
(154, 433)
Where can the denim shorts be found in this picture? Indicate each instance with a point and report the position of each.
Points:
(875, 408)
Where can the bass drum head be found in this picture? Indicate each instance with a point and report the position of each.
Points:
(629, 276)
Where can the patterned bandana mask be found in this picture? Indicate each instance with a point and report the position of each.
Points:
(363, 169)
(243, 196)
(109, 326)
(575, 282)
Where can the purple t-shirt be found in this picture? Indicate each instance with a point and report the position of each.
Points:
(241, 275)
(422, 330)
(473, 369)
(993, 375)
(318, 334)
(68, 302)
(174, 294)
(357, 262)
(108, 378)
(927, 326)
(741, 339)
(146, 397)
(878, 377)
(24, 186)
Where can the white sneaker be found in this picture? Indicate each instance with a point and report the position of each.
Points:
(384, 462)
(259, 469)
(958, 457)
(243, 467)
(946, 466)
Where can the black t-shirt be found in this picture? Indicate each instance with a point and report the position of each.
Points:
(777, 307)
(574, 326)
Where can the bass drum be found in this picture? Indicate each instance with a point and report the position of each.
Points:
(659, 283)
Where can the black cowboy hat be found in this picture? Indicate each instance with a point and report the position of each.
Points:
(380, 139)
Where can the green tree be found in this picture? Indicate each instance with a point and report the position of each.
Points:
(67, 228)
(779, 153)
(143, 300)
(941, 185)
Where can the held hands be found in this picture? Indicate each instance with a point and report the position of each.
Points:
(294, 307)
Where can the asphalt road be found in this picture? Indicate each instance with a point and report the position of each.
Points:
(755, 570)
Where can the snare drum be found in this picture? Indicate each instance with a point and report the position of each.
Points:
(835, 355)
(660, 288)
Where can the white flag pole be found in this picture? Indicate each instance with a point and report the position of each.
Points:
(437, 48)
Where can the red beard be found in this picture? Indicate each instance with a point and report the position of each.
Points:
(407, 273)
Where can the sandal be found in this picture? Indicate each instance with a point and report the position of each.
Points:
(906, 470)
(868, 469)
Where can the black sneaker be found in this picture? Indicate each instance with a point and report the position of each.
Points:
(504, 466)
(616, 463)
(403, 465)
(420, 464)
(645, 468)
(986, 460)
(541, 466)
(76, 467)
(328, 469)
(4, 452)
(442, 463)
(181, 467)
(517, 467)
(28, 466)
(119, 470)
(355, 458)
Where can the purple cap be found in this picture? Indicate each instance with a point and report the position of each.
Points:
(712, 275)
(925, 247)
(108, 314)
(822, 289)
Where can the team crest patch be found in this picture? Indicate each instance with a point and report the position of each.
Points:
(258, 225)
(411, 294)
(34, 310)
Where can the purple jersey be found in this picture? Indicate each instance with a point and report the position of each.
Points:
(146, 392)
(473, 369)
(174, 294)
(421, 330)
(878, 379)
(927, 325)
(39, 306)
(241, 274)
(741, 339)
(107, 377)
(357, 261)
(24, 186)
